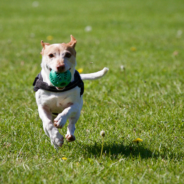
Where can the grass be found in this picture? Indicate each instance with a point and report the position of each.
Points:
(143, 101)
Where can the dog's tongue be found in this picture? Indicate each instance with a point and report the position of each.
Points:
(60, 88)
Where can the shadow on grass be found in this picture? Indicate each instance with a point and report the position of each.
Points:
(116, 149)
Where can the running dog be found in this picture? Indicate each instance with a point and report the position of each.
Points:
(56, 105)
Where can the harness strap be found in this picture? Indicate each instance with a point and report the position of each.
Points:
(39, 84)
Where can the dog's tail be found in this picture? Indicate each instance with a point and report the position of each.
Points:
(96, 75)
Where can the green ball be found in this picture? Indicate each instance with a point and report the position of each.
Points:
(60, 79)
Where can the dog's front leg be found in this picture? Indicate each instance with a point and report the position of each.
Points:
(71, 127)
(49, 128)
(68, 112)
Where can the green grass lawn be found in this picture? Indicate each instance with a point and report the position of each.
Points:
(144, 100)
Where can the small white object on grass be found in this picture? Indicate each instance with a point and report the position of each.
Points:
(122, 67)
(35, 4)
(179, 33)
(88, 28)
(102, 133)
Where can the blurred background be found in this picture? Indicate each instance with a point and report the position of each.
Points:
(142, 43)
(118, 32)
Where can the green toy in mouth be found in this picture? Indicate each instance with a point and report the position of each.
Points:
(60, 79)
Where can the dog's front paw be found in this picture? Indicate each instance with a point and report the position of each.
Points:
(59, 122)
(57, 141)
(70, 138)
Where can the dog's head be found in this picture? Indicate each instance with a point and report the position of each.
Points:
(59, 57)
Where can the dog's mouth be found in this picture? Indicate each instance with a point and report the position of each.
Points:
(49, 68)
(58, 88)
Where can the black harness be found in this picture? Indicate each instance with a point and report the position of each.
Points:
(39, 84)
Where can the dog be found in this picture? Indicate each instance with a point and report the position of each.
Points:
(57, 105)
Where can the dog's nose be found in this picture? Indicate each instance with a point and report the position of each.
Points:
(60, 68)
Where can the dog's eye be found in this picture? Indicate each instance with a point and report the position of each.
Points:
(51, 55)
(68, 55)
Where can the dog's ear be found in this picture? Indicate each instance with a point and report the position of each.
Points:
(72, 42)
(43, 45)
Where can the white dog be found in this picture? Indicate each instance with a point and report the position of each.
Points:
(56, 105)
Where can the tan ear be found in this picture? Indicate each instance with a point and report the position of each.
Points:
(72, 42)
(43, 44)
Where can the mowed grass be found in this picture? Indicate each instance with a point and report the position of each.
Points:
(141, 42)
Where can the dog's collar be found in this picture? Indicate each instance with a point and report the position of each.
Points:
(39, 84)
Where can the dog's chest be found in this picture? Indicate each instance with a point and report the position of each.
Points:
(56, 102)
